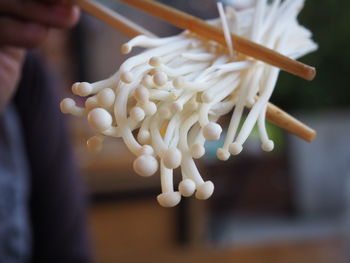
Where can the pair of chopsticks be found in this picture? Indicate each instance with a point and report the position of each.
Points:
(203, 29)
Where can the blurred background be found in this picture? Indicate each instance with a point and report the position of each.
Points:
(291, 205)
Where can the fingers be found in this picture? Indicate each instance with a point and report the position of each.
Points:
(25, 23)
(52, 14)
(10, 69)
(15, 32)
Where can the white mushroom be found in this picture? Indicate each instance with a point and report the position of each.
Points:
(172, 95)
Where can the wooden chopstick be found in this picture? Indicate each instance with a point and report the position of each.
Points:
(131, 29)
(244, 46)
(284, 120)
(115, 20)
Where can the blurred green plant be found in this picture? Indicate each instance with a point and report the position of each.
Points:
(330, 22)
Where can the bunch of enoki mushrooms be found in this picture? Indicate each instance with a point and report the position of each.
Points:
(165, 102)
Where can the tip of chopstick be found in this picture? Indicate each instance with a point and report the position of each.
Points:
(302, 70)
(311, 136)
(310, 73)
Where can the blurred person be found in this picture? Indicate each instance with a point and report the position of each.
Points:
(42, 208)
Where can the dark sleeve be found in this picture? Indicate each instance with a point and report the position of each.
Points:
(57, 205)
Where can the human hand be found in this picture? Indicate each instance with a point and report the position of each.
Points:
(25, 24)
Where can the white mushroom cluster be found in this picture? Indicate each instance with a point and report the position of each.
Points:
(165, 102)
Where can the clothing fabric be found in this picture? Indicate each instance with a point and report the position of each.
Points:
(15, 233)
(48, 197)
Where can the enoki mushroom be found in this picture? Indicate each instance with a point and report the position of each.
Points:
(165, 102)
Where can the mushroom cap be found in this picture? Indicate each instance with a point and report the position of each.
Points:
(137, 114)
(100, 119)
(126, 77)
(169, 199)
(235, 148)
(172, 158)
(83, 89)
(150, 108)
(205, 190)
(187, 187)
(143, 136)
(141, 94)
(212, 131)
(160, 78)
(222, 154)
(67, 105)
(268, 146)
(145, 165)
(106, 97)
